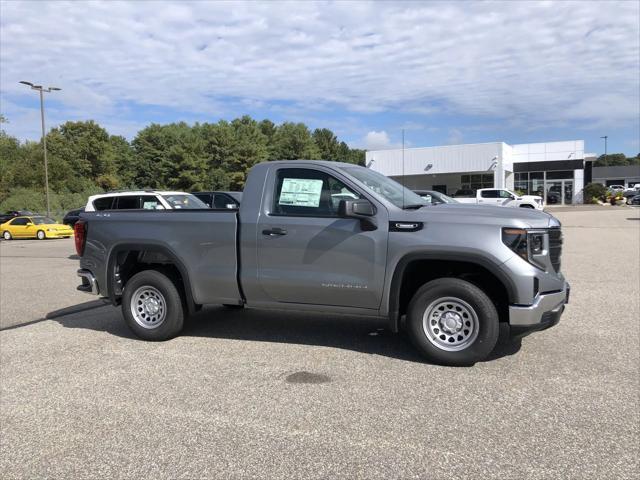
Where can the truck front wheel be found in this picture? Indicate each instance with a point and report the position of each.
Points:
(152, 306)
(452, 322)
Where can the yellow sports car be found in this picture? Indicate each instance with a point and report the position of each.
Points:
(34, 227)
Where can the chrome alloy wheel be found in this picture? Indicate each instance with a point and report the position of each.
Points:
(148, 307)
(451, 324)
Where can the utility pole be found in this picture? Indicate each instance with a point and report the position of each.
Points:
(605, 150)
(42, 90)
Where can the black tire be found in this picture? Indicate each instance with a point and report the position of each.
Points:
(169, 297)
(7, 235)
(40, 235)
(477, 342)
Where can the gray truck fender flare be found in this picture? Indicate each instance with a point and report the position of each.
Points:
(475, 258)
(152, 247)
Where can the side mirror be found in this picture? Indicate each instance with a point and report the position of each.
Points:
(29, 224)
(361, 209)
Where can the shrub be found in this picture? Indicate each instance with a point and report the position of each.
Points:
(595, 190)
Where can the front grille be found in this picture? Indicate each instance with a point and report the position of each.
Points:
(555, 247)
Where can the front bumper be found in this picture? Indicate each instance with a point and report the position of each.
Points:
(544, 313)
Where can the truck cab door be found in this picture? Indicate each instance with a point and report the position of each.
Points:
(490, 197)
(307, 253)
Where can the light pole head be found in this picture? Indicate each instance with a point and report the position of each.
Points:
(26, 83)
(54, 89)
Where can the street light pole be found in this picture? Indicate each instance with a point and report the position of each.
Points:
(605, 149)
(44, 145)
(42, 90)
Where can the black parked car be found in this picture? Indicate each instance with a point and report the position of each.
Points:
(634, 200)
(14, 213)
(435, 198)
(220, 199)
(72, 216)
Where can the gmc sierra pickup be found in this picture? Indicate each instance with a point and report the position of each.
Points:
(335, 237)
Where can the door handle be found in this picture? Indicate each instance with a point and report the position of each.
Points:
(274, 232)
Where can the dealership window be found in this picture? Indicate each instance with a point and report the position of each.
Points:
(536, 183)
(476, 181)
(521, 182)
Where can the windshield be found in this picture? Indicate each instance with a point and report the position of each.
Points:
(184, 201)
(387, 188)
(42, 220)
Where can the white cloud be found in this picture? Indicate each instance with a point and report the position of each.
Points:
(377, 140)
(531, 62)
(455, 137)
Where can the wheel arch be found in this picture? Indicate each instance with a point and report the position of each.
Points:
(402, 287)
(129, 250)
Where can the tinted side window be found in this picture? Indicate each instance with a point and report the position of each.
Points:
(307, 192)
(504, 194)
(205, 197)
(103, 203)
(220, 200)
(490, 194)
(128, 203)
(20, 221)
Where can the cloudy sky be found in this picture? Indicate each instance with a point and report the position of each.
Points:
(451, 72)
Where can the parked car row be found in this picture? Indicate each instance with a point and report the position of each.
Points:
(27, 224)
(162, 200)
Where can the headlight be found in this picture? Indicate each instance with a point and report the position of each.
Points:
(531, 246)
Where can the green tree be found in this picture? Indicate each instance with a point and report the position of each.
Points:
(293, 141)
(11, 155)
(612, 159)
(169, 156)
(327, 144)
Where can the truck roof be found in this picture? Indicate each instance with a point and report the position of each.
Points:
(121, 193)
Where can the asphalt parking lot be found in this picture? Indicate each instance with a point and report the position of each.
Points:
(273, 395)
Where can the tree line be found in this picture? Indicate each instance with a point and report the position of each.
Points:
(84, 159)
(616, 159)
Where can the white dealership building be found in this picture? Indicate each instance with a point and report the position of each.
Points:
(555, 170)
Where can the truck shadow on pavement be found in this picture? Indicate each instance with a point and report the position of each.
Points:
(361, 334)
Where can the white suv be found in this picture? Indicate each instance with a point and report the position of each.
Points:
(143, 200)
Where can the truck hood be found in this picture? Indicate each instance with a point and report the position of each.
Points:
(479, 214)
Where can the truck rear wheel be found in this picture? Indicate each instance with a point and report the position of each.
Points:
(152, 306)
(452, 322)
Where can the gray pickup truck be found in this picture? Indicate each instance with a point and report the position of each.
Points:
(335, 237)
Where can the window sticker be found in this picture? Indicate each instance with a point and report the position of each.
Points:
(300, 192)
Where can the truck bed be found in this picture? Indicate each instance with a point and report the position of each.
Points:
(202, 242)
